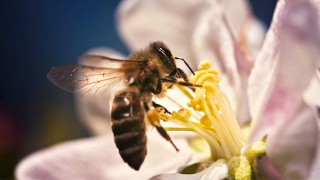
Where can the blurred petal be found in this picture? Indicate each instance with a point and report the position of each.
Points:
(261, 74)
(248, 30)
(236, 11)
(143, 21)
(312, 92)
(95, 111)
(212, 39)
(253, 33)
(285, 66)
(292, 146)
(217, 171)
(266, 170)
(97, 158)
(315, 173)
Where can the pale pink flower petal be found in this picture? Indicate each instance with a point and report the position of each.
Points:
(97, 158)
(261, 74)
(212, 40)
(292, 146)
(237, 11)
(248, 30)
(285, 66)
(215, 39)
(267, 170)
(143, 21)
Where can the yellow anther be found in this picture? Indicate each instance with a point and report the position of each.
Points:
(205, 73)
(195, 101)
(214, 71)
(198, 108)
(198, 74)
(210, 87)
(185, 113)
(206, 77)
(204, 65)
(205, 121)
(182, 115)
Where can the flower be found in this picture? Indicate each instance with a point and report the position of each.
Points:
(269, 90)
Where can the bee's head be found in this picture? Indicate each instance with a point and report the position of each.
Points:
(164, 55)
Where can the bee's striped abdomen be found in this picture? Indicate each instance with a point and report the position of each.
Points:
(128, 127)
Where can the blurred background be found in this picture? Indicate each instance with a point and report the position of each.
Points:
(35, 36)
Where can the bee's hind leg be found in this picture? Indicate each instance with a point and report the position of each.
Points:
(154, 116)
(166, 136)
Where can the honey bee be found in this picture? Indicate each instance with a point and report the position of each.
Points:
(146, 73)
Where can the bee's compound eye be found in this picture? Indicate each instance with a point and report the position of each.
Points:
(165, 52)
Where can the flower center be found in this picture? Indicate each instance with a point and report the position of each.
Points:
(210, 115)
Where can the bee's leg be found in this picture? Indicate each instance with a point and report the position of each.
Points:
(179, 73)
(158, 88)
(183, 75)
(156, 105)
(174, 72)
(154, 119)
(182, 83)
(166, 136)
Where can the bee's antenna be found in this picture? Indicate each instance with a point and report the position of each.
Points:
(180, 58)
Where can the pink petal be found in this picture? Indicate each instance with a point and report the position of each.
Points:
(95, 111)
(292, 146)
(97, 158)
(266, 170)
(213, 39)
(143, 21)
(284, 67)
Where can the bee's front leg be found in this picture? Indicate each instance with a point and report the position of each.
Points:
(156, 105)
(174, 80)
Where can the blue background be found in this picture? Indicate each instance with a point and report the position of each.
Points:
(35, 36)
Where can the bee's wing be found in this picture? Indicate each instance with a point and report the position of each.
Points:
(92, 80)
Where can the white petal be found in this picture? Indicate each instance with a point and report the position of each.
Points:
(217, 171)
(284, 67)
(236, 11)
(246, 28)
(98, 158)
(312, 92)
(143, 21)
(95, 111)
(261, 74)
(292, 146)
(212, 40)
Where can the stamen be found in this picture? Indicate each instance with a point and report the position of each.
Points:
(217, 124)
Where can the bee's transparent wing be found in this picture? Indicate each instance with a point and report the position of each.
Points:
(89, 80)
